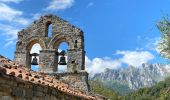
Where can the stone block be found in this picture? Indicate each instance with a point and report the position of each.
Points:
(18, 92)
(6, 98)
(38, 93)
(28, 93)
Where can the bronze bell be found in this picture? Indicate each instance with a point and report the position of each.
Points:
(34, 61)
(62, 61)
(62, 58)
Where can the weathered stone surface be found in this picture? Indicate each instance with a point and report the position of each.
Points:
(30, 85)
(62, 31)
(19, 92)
(35, 92)
(39, 85)
(6, 98)
(77, 80)
(28, 93)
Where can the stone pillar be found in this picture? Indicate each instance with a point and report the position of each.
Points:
(48, 61)
(77, 56)
(23, 58)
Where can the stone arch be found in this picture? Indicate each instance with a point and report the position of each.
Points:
(33, 41)
(58, 39)
(62, 31)
(55, 43)
(28, 46)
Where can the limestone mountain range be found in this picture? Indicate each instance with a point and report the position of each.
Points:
(132, 77)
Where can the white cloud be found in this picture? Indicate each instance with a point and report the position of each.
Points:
(8, 13)
(98, 65)
(135, 58)
(60, 5)
(12, 15)
(22, 21)
(10, 32)
(8, 1)
(90, 4)
(13, 22)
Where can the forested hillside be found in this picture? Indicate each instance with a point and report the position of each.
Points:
(160, 91)
(99, 88)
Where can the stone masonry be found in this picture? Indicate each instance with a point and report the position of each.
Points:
(20, 83)
(62, 31)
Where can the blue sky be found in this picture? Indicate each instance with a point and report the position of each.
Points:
(117, 32)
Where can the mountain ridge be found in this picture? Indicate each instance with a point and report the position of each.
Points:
(134, 77)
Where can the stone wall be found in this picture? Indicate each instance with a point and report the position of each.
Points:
(62, 31)
(12, 88)
(77, 80)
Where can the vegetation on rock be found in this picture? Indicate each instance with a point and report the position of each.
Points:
(99, 88)
(160, 91)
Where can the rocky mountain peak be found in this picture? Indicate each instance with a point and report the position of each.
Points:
(135, 77)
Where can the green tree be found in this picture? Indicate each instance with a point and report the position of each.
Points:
(164, 44)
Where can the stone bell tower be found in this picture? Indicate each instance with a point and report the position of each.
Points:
(62, 31)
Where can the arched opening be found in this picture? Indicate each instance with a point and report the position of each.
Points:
(58, 38)
(35, 50)
(49, 29)
(62, 46)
